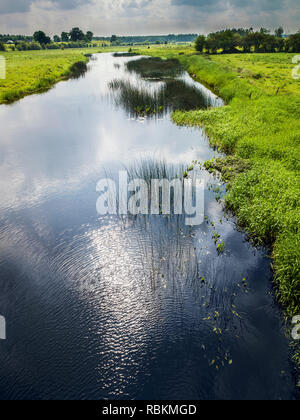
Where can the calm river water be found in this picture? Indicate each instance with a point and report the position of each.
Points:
(99, 307)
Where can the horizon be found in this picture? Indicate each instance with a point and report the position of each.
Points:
(255, 29)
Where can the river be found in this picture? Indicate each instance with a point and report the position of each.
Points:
(103, 307)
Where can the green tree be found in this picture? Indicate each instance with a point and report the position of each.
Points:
(212, 44)
(293, 43)
(228, 41)
(269, 43)
(247, 42)
(257, 39)
(279, 32)
(89, 36)
(113, 38)
(76, 34)
(281, 44)
(200, 43)
(41, 37)
(56, 38)
(2, 46)
(65, 37)
(264, 31)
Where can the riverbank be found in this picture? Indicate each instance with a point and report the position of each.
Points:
(259, 129)
(29, 72)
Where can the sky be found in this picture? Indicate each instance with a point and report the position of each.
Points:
(145, 17)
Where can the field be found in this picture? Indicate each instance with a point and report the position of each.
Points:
(33, 71)
(269, 72)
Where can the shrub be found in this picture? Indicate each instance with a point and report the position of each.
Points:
(34, 46)
(22, 46)
(28, 46)
(53, 46)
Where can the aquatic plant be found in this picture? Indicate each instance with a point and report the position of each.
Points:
(78, 69)
(155, 68)
(171, 95)
(125, 54)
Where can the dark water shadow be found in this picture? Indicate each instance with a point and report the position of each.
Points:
(155, 68)
(170, 96)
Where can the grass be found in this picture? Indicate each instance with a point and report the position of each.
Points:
(155, 68)
(29, 72)
(174, 94)
(268, 72)
(259, 130)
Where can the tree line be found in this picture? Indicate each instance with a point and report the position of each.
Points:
(151, 39)
(76, 38)
(75, 35)
(231, 41)
(15, 38)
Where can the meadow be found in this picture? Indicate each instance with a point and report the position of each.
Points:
(29, 72)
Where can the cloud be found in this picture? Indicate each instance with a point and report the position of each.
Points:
(195, 3)
(21, 6)
(254, 5)
(146, 17)
(135, 4)
(14, 6)
(218, 14)
(70, 4)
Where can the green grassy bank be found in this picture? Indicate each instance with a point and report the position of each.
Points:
(259, 130)
(29, 72)
(262, 127)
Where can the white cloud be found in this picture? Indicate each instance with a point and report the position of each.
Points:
(105, 17)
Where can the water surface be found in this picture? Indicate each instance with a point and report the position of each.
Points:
(137, 308)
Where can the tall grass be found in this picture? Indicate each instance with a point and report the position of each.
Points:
(155, 68)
